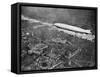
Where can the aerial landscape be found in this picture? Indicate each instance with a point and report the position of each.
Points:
(56, 38)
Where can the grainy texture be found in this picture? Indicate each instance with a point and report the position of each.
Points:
(45, 47)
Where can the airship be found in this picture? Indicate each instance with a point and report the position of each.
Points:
(72, 28)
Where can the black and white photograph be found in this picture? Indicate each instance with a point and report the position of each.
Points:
(49, 38)
(57, 38)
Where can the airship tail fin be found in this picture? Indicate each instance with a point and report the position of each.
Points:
(88, 31)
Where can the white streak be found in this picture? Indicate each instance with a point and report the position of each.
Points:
(29, 19)
(69, 29)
